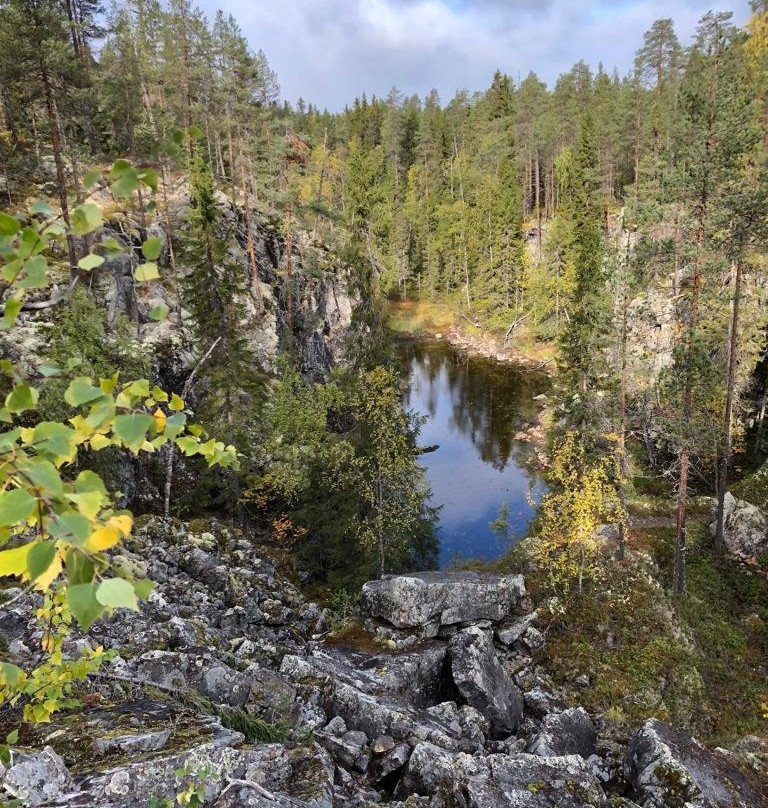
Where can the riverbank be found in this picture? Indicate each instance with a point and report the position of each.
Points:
(443, 321)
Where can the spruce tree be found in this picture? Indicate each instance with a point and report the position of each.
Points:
(582, 363)
(213, 292)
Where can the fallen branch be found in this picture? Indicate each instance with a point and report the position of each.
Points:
(39, 305)
(513, 326)
(249, 784)
(471, 322)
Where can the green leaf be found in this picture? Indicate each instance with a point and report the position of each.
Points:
(149, 177)
(112, 245)
(188, 445)
(91, 178)
(16, 506)
(117, 593)
(35, 273)
(158, 313)
(9, 225)
(152, 248)
(132, 429)
(81, 391)
(90, 261)
(146, 272)
(12, 737)
(195, 132)
(80, 568)
(174, 425)
(88, 481)
(42, 208)
(119, 167)
(9, 674)
(44, 475)
(53, 438)
(83, 603)
(143, 588)
(72, 527)
(39, 558)
(10, 313)
(86, 218)
(177, 403)
(48, 370)
(12, 269)
(21, 398)
(126, 185)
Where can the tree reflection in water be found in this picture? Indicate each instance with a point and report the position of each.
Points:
(474, 408)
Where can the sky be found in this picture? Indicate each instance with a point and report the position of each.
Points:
(330, 51)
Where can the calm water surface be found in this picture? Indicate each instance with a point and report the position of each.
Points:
(473, 408)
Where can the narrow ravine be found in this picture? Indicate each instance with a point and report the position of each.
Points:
(474, 409)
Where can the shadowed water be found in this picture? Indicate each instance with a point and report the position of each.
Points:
(473, 408)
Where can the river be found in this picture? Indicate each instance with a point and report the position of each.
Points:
(473, 408)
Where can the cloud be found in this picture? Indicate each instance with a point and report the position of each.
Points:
(330, 51)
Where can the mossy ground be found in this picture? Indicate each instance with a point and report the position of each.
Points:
(699, 661)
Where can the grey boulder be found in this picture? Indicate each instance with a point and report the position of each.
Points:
(528, 781)
(666, 767)
(213, 679)
(483, 683)
(432, 769)
(429, 600)
(36, 778)
(570, 732)
(745, 528)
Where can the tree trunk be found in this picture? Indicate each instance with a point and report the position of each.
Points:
(726, 451)
(61, 184)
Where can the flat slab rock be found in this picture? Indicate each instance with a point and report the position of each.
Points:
(433, 599)
(666, 767)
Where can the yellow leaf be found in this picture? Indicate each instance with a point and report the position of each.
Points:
(177, 403)
(99, 442)
(160, 418)
(108, 385)
(104, 537)
(42, 582)
(83, 429)
(123, 522)
(14, 562)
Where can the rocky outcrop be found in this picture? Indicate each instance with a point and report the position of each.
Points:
(669, 769)
(745, 529)
(527, 781)
(483, 683)
(225, 683)
(433, 600)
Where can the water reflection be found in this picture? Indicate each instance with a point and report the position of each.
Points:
(473, 407)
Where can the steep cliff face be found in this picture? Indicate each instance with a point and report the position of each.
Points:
(298, 297)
